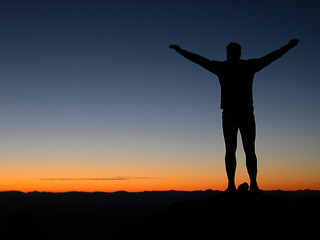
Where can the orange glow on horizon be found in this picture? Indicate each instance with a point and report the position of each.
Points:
(159, 174)
(139, 185)
(133, 185)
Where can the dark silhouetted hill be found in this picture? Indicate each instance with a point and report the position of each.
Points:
(159, 215)
(79, 215)
(241, 215)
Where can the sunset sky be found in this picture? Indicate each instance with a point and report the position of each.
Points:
(92, 98)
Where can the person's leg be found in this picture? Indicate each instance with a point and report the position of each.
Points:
(248, 134)
(230, 131)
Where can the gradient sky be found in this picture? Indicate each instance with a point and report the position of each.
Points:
(92, 98)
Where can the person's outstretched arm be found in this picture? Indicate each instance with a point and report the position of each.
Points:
(269, 58)
(202, 61)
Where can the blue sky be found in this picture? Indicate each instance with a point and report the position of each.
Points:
(96, 81)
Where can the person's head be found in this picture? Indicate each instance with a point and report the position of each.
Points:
(233, 51)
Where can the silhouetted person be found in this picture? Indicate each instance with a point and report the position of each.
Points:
(236, 80)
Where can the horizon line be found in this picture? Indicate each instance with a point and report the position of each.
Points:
(145, 191)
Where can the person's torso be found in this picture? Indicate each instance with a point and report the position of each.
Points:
(236, 81)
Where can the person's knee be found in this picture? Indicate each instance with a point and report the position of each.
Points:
(231, 148)
(249, 149)
(250, 155)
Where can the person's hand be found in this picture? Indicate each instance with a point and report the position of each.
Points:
(175, 47)
(293, 42)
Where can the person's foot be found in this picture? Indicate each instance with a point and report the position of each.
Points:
(231, 188)
(254, 188)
